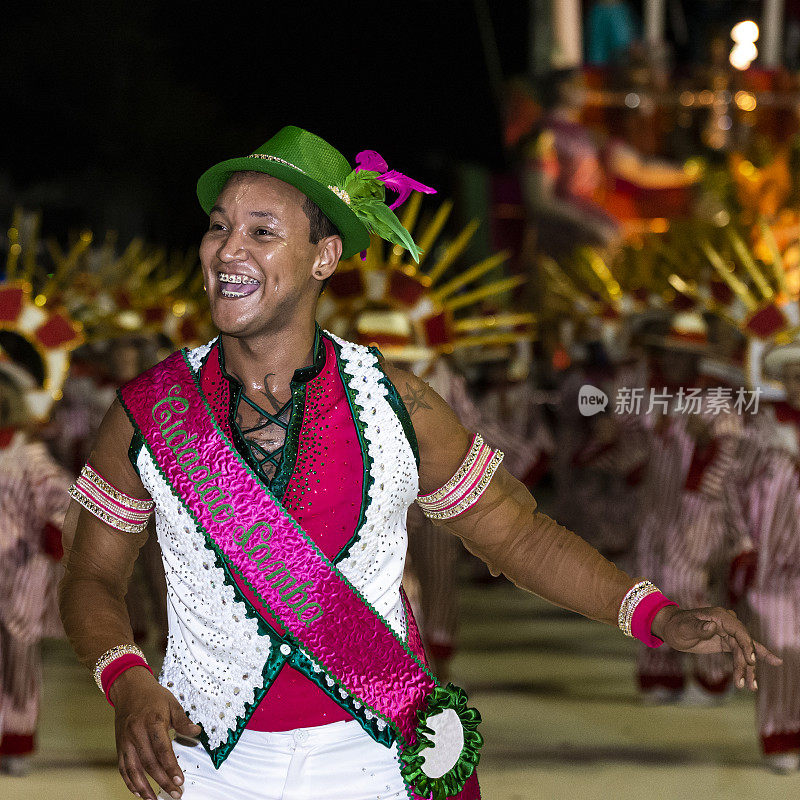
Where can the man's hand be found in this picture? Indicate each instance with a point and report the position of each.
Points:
(714, 630)
(145, 712)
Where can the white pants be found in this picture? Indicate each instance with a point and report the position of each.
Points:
(330, 762)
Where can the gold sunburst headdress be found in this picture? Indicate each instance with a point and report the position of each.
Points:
(140, 291)
(415, 313)
(743, 277)
(55, 299)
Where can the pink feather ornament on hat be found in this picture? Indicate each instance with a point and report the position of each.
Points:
(373, 161)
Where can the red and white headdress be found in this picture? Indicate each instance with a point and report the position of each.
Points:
(45, 336)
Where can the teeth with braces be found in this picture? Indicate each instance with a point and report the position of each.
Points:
(225, 277)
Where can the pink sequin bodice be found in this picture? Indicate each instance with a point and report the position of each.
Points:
(324, 494)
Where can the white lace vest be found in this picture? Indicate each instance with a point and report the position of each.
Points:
(215, 654)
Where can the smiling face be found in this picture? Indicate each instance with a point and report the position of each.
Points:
(260, 268)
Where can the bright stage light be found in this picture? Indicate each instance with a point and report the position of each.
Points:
(745, 32)
(744, 52)
(746, 101)
(748, 50)
(743, 55)
(738, 61)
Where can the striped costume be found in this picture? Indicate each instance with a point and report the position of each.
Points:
(33, 498)
(686, 536)
(769, 495)
(611, 465)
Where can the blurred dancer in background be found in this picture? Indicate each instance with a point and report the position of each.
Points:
(77, 417)
(561, 173)
(767, 573)
(683, 530)
(610, 465)
(33, 499)
(513, 405)
(432, 553)
(575, 489)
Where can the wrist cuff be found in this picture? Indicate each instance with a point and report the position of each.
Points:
(117, 667)
(643, 616)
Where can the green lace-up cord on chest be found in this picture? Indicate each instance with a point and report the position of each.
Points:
(260, 455)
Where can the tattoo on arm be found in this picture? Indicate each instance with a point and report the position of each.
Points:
(414, 398)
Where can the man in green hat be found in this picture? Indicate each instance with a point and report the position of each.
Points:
(280, 462)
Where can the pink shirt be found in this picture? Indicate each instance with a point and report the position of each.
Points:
(324, 495)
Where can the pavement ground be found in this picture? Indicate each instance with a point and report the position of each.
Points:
(561, 719)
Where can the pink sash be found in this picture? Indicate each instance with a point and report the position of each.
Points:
(318, 607)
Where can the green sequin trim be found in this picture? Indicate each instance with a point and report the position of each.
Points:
(291, 442)
(271, 669)
(356, 413)
(399, 407)
(303, 664)
(135, 447)
(299, 384)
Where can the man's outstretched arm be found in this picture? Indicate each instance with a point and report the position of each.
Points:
(505, 529)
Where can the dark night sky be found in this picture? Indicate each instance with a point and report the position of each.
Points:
(112, 110)
(124, 104)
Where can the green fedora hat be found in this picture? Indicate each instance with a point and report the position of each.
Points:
(353, 200)
(308, 163)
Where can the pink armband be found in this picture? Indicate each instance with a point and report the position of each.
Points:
(109, 504)
(465, 488)
(644, 615)
(114, 662)
(639, 609)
